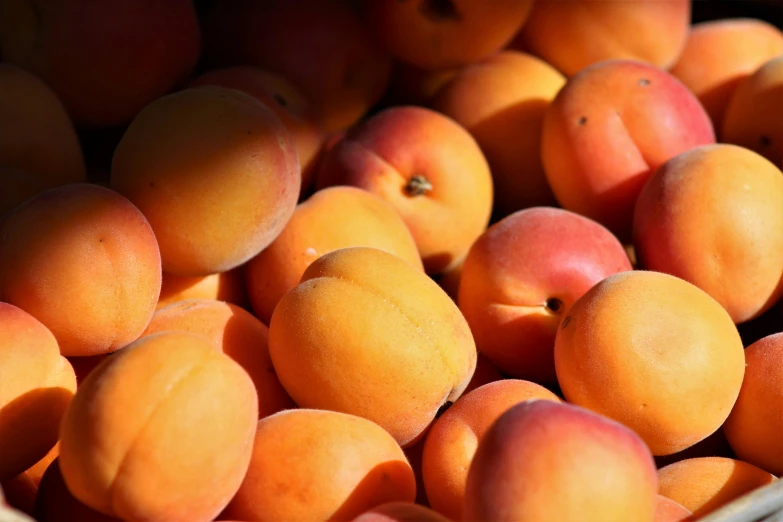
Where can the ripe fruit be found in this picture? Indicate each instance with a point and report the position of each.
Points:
(653, 352)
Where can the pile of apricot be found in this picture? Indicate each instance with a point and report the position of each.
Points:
(388, 260)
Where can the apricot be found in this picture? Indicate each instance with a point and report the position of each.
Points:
(37, 386)
(323, 48)
(545, 461)
(522, 276)
(453, 438)
(443, 34)
(719, 54)
(39, 148)
(501, 101)
(367, 333)
(214, 171)
(99, 57)
(653, 352)
(55, 502)
(236, 333)
(610, 128)
(145, 437)
(320, 465)
(400, 512)
(285, 100)
(705, 484)
(224, 286)
(84, 261)
(752, 118)
(330, 219)
(714, 216)
(576, 34)
(667, 510)
(755, 425)
(429, 168)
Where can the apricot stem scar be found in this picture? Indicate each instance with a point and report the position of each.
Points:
(417, 186)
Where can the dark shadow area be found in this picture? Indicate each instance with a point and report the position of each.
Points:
(716, 445)
(768, 323)
(56, 504)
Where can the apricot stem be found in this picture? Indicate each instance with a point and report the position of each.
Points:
(418, 185)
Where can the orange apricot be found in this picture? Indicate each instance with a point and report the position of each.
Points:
(214, 171)
(85, 262)
(37, 387)
(443, 34)
(453, 438)
(653, 352)
(576, 34)
(714, 216)
(719, 54)
(752, 118)
(400, 512)
(755, 425)
(369, 334)
(429, 168)
(39, 148)
(705, 484)
(285, 100)
(145, 437)
(236, 333)
(332, 218)
(501, 101)
(320, 465)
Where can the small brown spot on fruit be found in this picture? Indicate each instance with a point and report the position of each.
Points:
(765, 141)
(582, 120)
(439, 10)
(417, 186)
(644, 82)
(566, 321)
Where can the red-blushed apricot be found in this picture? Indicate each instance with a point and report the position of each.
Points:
(453, 438)
(39, 148)
(714, 216)
(224, 286)
(332, 218)
(410, 85)
(667, 510)
(653, 352)
(400, 512)
(755, 425)
(145, 438)
(609, 129)
(443, 34)
(98, 56)
(236, 333)
(719, 54)
(752, 118)
(37, 387)
(22, 490)
(214, 171)
(367, 333)
(429, 168)
(543, 461)
(56, 503)
(705, 484)
(320, 465)
(501, 101)
(485, 373)
(323, 48)
(575, 34)
(285, 100)
(85, 262)
(521, 277)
